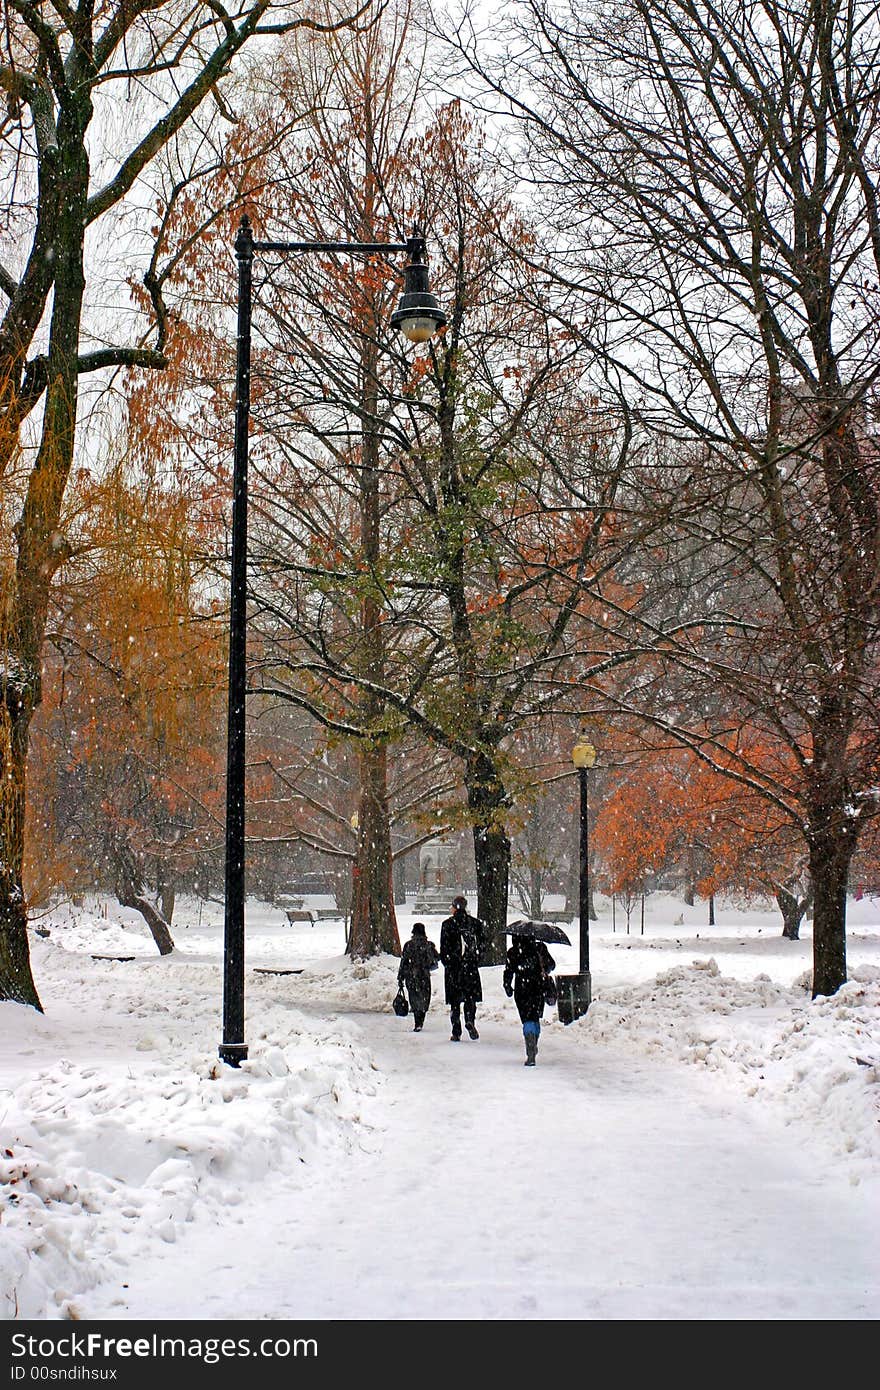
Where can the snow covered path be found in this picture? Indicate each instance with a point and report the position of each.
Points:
(599, 1185)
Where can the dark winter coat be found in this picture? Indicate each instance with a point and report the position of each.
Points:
(461, 937)
(527, 962)
(419, 958)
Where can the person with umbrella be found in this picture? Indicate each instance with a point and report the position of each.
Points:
(419, 958)
(460, 942)
(528, 963)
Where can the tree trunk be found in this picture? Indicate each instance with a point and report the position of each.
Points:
(130, 891)
(373, 919)
(487, 801)
(41, 547)
(831, 839)
(711, 909)
(792, 908)
(154, 920)
(16, 978)
(830, 855)
(536, 883)
(492, 858)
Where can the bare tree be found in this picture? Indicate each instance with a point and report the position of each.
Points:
(712, 171)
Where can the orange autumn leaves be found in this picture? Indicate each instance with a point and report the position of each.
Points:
(669, 812)
(128, 741)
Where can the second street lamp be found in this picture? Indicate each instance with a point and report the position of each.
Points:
(417, 316)
(575, 991)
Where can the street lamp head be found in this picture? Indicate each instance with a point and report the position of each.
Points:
(583, 754)
(244, 241)
(418, 315)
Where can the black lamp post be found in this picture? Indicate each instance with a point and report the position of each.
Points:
(575, 991)
(417, 317)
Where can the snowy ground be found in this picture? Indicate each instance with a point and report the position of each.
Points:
(703, 1145)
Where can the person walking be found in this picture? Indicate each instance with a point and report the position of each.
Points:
(527, 964)
(418, 959)
(461, 938)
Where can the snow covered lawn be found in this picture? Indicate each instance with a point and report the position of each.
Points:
(704, 1144)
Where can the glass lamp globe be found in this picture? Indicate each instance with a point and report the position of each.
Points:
(583, 754)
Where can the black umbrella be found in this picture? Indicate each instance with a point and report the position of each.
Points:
(541, 931)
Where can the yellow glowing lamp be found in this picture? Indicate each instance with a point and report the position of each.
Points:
(583, 754)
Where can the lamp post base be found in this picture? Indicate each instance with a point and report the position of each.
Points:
(574, 996)
(233, 1054)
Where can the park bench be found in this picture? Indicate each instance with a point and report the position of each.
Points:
(313, 915)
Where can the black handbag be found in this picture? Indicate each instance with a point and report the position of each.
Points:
(550, 991)
(400, 1005)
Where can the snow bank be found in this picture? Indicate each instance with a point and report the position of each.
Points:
(816, 1061)
(131, 1151)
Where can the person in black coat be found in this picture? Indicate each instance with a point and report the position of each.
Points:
(419, 958)
(527, 965)
(461, 938)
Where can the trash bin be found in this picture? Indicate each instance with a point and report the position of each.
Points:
(574, 996)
